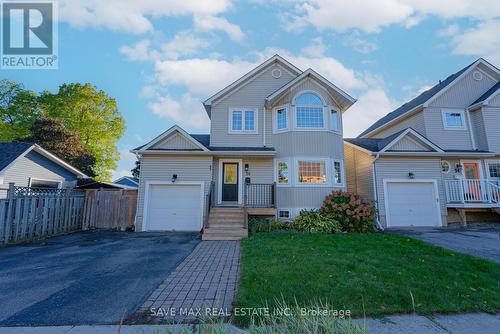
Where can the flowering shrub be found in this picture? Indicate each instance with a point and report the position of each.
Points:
(353, 213)
(314, 221)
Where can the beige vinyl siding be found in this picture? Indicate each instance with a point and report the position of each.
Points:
(446, 139)
(36, 166)
(416, 122)
(260, 170)
(491, 116)
(495, 101)
(176, 142)
(359, 174)
(478, 129)
(464, 92)
(251, 95)
(307, 84)
(161, 168)
(408, 144)
(398, 168)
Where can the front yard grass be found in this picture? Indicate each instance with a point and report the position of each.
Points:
(368, 274)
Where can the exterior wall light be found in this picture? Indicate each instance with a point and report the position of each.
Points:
(174, 178)
(411, 175)
(458, 168)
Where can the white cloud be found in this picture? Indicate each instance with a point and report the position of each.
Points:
(188, 111)
(371, 106)
(480, 41)
(184, 43)
(127, 160)
(451, 30)
(207, 23)
(359, 44)
(316, 49)
(372, 16)
(133, 16)
(140, 51)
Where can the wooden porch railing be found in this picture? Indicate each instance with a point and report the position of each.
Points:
(472, 191)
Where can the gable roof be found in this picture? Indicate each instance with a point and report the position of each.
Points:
(166, 134)
(425, 97)
(376, 145)
(10, 152)
(127, 181)
(486, 96)
(343, 99)
(274, 59)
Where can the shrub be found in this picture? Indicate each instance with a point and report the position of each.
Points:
(353, 213)
(262, 224)
(315, 221)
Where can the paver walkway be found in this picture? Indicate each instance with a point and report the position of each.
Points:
(204, 284)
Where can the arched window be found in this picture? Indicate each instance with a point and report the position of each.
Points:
(309, 111)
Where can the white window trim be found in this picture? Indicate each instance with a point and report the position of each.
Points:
(275, 118)
(449, 165)
(243, 110)
(445, 111)
(324, 106)
(487, 164)
(342, 173)
(290, 214)
(1, 180)
(328, 171)
(339, 120)
(59, 182)
(291, 174)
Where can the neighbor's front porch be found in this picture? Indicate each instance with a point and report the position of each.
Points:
(472, 193)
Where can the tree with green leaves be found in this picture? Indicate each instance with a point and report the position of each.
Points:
(54, 137)
(136, 171)
(94, 116)
(18, 111)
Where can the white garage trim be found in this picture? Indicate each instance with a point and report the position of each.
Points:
(146, 197)
(436, 193)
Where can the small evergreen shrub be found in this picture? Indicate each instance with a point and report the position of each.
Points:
(350, 211)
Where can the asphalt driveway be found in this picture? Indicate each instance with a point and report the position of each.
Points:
(480, 242)
(86, 278)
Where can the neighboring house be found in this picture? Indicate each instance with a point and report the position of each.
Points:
(128, 181)
(29, 165)
(275, 147)
(437, 156)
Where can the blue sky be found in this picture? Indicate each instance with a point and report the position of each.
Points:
(161, 58)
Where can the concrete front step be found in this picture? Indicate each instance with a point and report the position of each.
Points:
(225, 225)
(219, 238)
(226, 231)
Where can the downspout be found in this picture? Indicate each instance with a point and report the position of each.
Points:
(473, 141)
(264, 126)
(375, 192)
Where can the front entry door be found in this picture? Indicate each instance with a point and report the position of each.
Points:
(473, 186)
(230, 182)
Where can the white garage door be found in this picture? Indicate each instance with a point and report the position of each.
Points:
(412, 204)
(174, 208)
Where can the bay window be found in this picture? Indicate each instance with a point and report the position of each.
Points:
(334, 120)
(337, 172)
(309, 111)
(283, 172)
(310, 171)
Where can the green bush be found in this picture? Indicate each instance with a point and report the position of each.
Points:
(262, 224)
(315, 221)
(350, 211)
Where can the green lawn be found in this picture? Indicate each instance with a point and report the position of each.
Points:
(368, 274)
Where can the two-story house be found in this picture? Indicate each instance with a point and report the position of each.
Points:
(436, 159)
(275, 147)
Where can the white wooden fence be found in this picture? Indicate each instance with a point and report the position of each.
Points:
(29, 214)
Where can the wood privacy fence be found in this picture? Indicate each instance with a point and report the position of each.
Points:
(29, 213)
(109, 209)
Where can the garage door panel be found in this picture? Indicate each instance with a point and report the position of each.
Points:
(412, 204)
(174, 208)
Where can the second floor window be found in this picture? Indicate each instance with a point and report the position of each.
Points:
(281, 121)
(334, 120)
(453, 119)
(242, 120)
(309, 111)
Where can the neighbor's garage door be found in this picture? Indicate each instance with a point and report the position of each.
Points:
(174, 208)
(412, 204)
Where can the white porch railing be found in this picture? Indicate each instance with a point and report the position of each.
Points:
(472, 191)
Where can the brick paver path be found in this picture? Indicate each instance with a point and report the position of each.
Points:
(203, 284)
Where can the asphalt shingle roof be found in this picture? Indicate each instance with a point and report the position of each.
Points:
(373, 144)
(486, 95)
(419, 100)
(11, 151)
